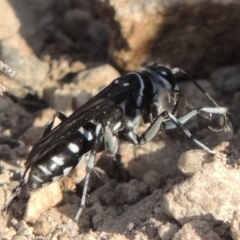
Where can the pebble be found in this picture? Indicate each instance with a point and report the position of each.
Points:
(192, 161)
(41, 200)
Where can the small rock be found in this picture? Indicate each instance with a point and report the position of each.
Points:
(31, 71)
(62, 237)
(44, 117)
(212, 188)
(167, 230)
(97, 221)
(10, 23)
(21, 151)
(106, 193)
(20, 237)
(62, 99)
(77, 66)
(133, 25)
(22, 228)
(7, 153)
(41, 228)
(226, 79)
(32, 135)
(81, 98)
(90, 236)
(85, 223)
(152, 179)
(10, 108)
(41, 200)
(94, 79)
(59, 69)
(130, 226)
(192, 161)
(130, 192)
(199, 230)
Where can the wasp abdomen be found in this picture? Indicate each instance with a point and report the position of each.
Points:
(60, 161)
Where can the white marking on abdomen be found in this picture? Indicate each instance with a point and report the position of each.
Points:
(73, 147)
(44, 169)
(37, 178)
(87, 135)
(58, 160)
(53, 166)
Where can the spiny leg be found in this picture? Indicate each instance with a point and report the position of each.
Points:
(129, 135)
(189, 135)
(161, 121)
(89, 169)
(167, 121)
(197, 111)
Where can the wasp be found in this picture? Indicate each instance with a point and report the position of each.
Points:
(150, 95)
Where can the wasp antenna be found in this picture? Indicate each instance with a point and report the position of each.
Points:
(177, 70)
(202, 90)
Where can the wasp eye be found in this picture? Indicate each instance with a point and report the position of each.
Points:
(163, 71)
(166, 73)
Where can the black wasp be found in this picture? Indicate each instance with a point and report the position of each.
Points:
(150, 95)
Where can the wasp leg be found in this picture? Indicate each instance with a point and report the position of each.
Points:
(188, 134)
(48, 129)
(129, 135)
(197, 111)
(110, 141)
(89, 169)
(167, 121)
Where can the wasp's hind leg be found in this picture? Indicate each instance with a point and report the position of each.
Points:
(89, 168)
(62, 117)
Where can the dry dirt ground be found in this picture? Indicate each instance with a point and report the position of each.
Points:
(165, 189)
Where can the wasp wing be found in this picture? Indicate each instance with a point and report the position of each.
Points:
(107, 99)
